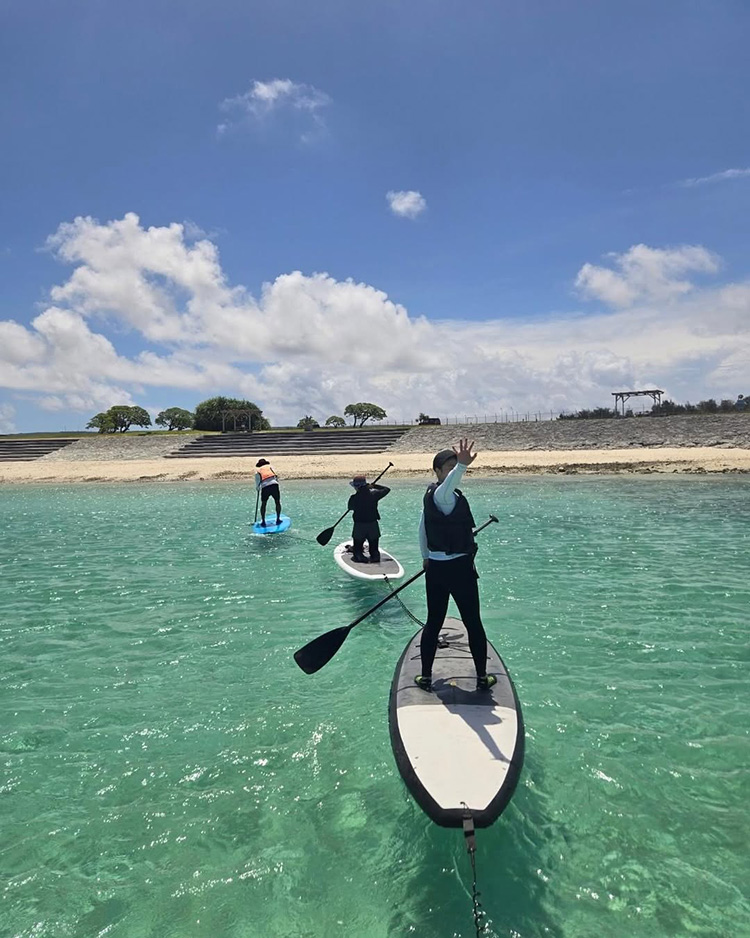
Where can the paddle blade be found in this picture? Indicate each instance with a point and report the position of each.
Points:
(324, 537)
(317, 653)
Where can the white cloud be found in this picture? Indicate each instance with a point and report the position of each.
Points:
(645, 274)
(265, 97)
(18, 346)
(312, 344)
(7, 413)
(723, 176)
(406, 204)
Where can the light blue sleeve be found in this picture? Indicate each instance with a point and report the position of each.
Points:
(445, 495)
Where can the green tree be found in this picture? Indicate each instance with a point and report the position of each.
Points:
(124, 417)
(668, 408)
(102, 422)
(120, 418)
(175, 418)
(364, 411)
(708, 407)
(597, 413)
(208, 414)
(335, 421)
(308, 423)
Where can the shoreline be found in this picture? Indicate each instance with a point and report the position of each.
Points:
(690, 460)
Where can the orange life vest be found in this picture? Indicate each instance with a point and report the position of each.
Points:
(266, 473)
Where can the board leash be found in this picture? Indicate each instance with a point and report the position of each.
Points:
(298, 537)
(403, 605)
(471, 847)
(468, 820)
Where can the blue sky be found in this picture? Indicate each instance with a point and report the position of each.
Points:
(546, 143)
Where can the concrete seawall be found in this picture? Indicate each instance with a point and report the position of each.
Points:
(719, 430)
(121, 446)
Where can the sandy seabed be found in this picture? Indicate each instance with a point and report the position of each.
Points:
(405, 465)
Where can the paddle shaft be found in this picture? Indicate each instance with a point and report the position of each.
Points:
(329, 531)
(382, 473)
(409, 581)
(317, 653)
(387, 598)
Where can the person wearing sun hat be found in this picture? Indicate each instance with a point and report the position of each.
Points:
(267, 483)
(364, 504)
(446, 540)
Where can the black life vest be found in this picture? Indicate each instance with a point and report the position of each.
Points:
(453, 533)
(365, 505)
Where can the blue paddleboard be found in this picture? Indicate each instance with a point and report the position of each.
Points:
(271, 526)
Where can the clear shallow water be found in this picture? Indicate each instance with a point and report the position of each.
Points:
(166, 770)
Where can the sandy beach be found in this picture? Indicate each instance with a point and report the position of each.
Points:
(406, 465)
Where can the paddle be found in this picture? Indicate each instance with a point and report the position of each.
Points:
(317, 653)
(325, 536)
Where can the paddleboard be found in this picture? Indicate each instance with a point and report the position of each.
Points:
(388, 566)
(455, 744)
(271, 526)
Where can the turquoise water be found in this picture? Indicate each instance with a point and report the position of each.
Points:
(167, 771)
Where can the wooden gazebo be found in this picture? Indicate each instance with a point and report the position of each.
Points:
(243, 414)
(622, 396)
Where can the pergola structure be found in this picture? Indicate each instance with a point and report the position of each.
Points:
(622, 396)
(244, 415)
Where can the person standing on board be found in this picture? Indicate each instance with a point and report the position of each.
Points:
(446, 540)
(364, 504)
(267, 482)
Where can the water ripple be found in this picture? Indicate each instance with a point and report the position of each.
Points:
(165, 770)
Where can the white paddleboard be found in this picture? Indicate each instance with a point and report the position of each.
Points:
(455, 745)
(388, 566)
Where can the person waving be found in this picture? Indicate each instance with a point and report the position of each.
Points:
(446, 540)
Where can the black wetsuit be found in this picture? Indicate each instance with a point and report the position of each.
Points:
(452, 533)
(364, 504)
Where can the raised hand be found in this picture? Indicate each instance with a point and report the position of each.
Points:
(463, 452)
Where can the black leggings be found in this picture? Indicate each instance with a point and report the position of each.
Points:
(456, 578)
(366, 531)
(270, 491)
